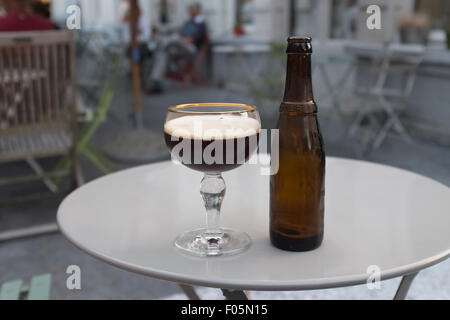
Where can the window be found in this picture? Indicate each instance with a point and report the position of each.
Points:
(303, 15)
(344, 16)
(244, 16)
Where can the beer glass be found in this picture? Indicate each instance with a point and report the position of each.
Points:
(212, 138)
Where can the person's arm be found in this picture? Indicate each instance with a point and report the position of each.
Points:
(195, 35)
(185, 34)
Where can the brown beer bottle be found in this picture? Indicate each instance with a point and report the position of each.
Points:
(297, 189)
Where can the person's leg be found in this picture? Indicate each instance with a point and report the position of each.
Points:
(159, 65)
(190, 65)
(161, 59)
(159, 68)
(188, 52)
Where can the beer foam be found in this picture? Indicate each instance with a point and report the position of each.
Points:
(208, 127)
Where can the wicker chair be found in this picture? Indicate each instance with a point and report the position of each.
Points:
(37, 103)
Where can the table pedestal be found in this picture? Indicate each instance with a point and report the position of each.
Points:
(401, 293)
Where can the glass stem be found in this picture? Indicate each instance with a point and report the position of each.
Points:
(212, 189)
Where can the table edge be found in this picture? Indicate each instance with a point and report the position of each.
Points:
(264, 285)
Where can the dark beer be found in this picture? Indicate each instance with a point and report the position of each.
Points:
(297, 189)
(212, 143)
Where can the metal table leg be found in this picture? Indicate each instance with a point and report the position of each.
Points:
(189, 291)
(401, 293)
(234, 294)
(403, 288)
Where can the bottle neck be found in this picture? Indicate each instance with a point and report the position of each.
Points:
(298, 94)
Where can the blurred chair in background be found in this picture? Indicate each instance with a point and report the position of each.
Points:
(37, 108)
(392, 74)
(39, 289)
(91, 125)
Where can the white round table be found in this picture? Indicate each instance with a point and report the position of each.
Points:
(375, 215)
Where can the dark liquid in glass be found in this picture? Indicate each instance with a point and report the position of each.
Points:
(209, 154)
(241, 148)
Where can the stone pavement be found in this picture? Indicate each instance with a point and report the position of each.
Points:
(52, 253)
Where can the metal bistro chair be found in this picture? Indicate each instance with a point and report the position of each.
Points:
(37, 108)
(392, 61)
(38, 289)
(90, 127)
(334, 90)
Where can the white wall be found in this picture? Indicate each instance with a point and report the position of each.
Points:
(390, 11)
(271, 17)
(58, 9)
(219, 14)
(97, 14)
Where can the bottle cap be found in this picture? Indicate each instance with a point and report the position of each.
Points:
(299, 45)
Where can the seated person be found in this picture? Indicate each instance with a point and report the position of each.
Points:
(193, 32)
(189, 40)
(18, 17)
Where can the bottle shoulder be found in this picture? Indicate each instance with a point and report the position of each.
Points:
(305, 108)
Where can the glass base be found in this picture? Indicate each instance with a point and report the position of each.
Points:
(198, 243)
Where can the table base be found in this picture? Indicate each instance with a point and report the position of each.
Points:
(229, 294)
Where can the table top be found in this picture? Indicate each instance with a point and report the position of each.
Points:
(374, 215)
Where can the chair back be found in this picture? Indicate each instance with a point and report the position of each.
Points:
(37, 81)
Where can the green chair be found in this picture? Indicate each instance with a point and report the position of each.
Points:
(85, 134)
(39, 289)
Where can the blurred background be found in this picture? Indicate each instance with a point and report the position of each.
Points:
(383, 96)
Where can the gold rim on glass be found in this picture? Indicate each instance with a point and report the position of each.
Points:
(245, 108)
